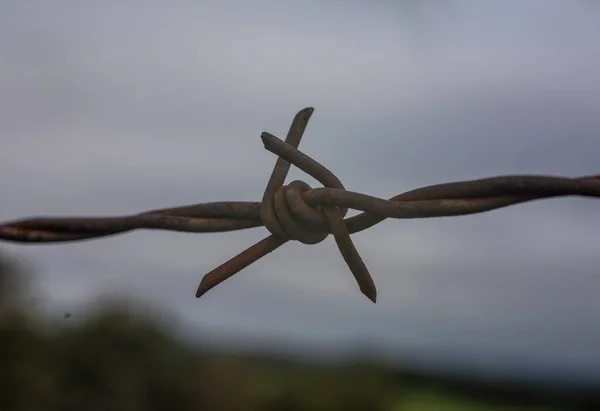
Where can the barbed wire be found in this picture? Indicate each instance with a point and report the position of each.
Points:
(298, 212)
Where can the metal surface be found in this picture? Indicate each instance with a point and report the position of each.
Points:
(297, 212)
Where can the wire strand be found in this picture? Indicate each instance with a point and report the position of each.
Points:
(298, 212)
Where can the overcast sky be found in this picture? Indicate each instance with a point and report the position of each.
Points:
(118, 107)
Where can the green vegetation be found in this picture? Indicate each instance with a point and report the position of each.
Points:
(115, 359)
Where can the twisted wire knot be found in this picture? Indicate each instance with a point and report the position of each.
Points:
(286, 215)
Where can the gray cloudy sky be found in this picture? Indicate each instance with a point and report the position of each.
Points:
(113, 108)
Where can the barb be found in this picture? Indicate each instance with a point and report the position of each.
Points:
(298, 212)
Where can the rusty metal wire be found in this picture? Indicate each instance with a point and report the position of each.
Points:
(298, 212)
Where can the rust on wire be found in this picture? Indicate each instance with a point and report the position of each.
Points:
(298, 212)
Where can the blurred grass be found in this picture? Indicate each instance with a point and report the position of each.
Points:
(114, 360)
(433, 400)
(120, 360)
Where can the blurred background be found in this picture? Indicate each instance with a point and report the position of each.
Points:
(119, 107)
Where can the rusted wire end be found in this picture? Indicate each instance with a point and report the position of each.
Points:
(238, 263)
(268, 215)
(350, 254)
(280, 172)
